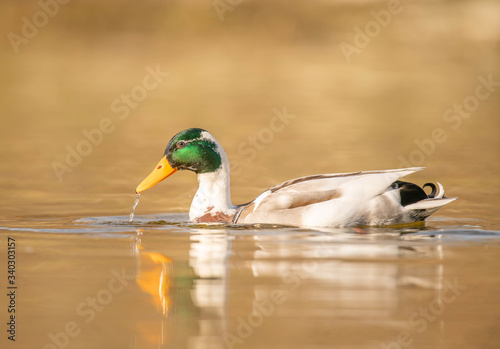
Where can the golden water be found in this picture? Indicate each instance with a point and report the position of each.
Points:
(272, 71)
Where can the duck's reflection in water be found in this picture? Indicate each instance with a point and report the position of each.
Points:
(208, 256)
(154, 278)
(344, 278)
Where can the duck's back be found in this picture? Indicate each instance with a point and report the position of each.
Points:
(330, 200)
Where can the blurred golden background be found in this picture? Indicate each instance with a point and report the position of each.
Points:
(365, 83)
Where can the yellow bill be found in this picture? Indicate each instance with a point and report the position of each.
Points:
(161, 171)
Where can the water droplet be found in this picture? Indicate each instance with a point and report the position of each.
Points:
(131, 217)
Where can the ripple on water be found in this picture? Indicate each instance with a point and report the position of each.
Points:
(440, 229)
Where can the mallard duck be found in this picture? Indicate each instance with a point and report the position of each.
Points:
(325, 200)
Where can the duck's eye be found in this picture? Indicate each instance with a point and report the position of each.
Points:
(181, 144)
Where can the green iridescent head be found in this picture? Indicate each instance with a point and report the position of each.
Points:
(193, 149)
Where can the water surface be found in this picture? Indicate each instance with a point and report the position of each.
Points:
(161, 282)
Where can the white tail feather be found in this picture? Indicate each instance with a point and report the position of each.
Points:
(429, 203)
(440, 193)
(424, 208)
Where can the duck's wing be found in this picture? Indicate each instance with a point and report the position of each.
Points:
(323, 200)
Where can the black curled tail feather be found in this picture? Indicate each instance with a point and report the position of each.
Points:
(410, 193)
(433, 187)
